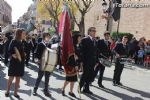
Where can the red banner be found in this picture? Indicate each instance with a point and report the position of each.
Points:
(67, 42)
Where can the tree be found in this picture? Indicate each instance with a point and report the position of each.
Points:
(115, 35)
(83, 7)
(54, 9)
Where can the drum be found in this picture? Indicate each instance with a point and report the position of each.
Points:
(125, 61)
(105, 62)
(55, 46)
(49, 60)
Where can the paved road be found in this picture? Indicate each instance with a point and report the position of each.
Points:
(136, 85)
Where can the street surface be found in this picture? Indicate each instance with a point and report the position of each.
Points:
(136, 83)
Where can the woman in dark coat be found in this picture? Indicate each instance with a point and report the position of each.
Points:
(76, 43)
(70, 71)
(17, 57)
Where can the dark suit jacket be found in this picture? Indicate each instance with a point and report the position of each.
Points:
(40, 49)
(88, 50)
(103, 48)
(33, 44)
(121, 50)
(28, 47)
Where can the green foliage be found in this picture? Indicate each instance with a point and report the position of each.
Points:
(121, 34)
(52, 30)
(74, 32)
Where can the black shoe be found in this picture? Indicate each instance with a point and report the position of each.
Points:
(46, 93)
(17, 96)
(6, 94)
(6, 64)
(60, 70)
(27, 65)
(34, 92)
(87, 91)
(114, 83)
(91, 84)
(72, 94)
(101, 86)
(63, 93)
(119, 84)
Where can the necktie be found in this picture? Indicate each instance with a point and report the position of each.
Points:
(94, 42)
(106, 42)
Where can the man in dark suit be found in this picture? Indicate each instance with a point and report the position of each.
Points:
(103, 50)
(88, 50)
(28, 48)
(33, 44)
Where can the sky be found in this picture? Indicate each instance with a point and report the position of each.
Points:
(19, 7)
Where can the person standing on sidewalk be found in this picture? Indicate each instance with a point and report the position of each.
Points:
(17, 58)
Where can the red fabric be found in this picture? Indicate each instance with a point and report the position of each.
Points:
(147, 58)
(61, 24)
(67, 42)
(69, 70)
(112, 45)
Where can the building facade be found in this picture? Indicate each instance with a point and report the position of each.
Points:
(133, 20)
(5, 13)
(24, 20)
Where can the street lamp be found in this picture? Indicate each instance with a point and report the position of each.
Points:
(0, 29)
(104, 5)
(107, 11)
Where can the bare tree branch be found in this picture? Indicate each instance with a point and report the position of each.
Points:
(53, 7)
(91, 5)
(73, 14)
(86, 6)
(78, 5)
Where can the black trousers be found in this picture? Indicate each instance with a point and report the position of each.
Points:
(6, 59)
(87, 76)
(27, 58)
(118, 71)
(33, 55)
(40, 75)
(59, 57)
(100, 68)
(84, 82)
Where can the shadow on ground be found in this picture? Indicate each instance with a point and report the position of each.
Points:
(124, 96)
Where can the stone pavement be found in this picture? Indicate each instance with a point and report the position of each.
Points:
(136, 83)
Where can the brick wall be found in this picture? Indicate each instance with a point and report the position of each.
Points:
(133, 20)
